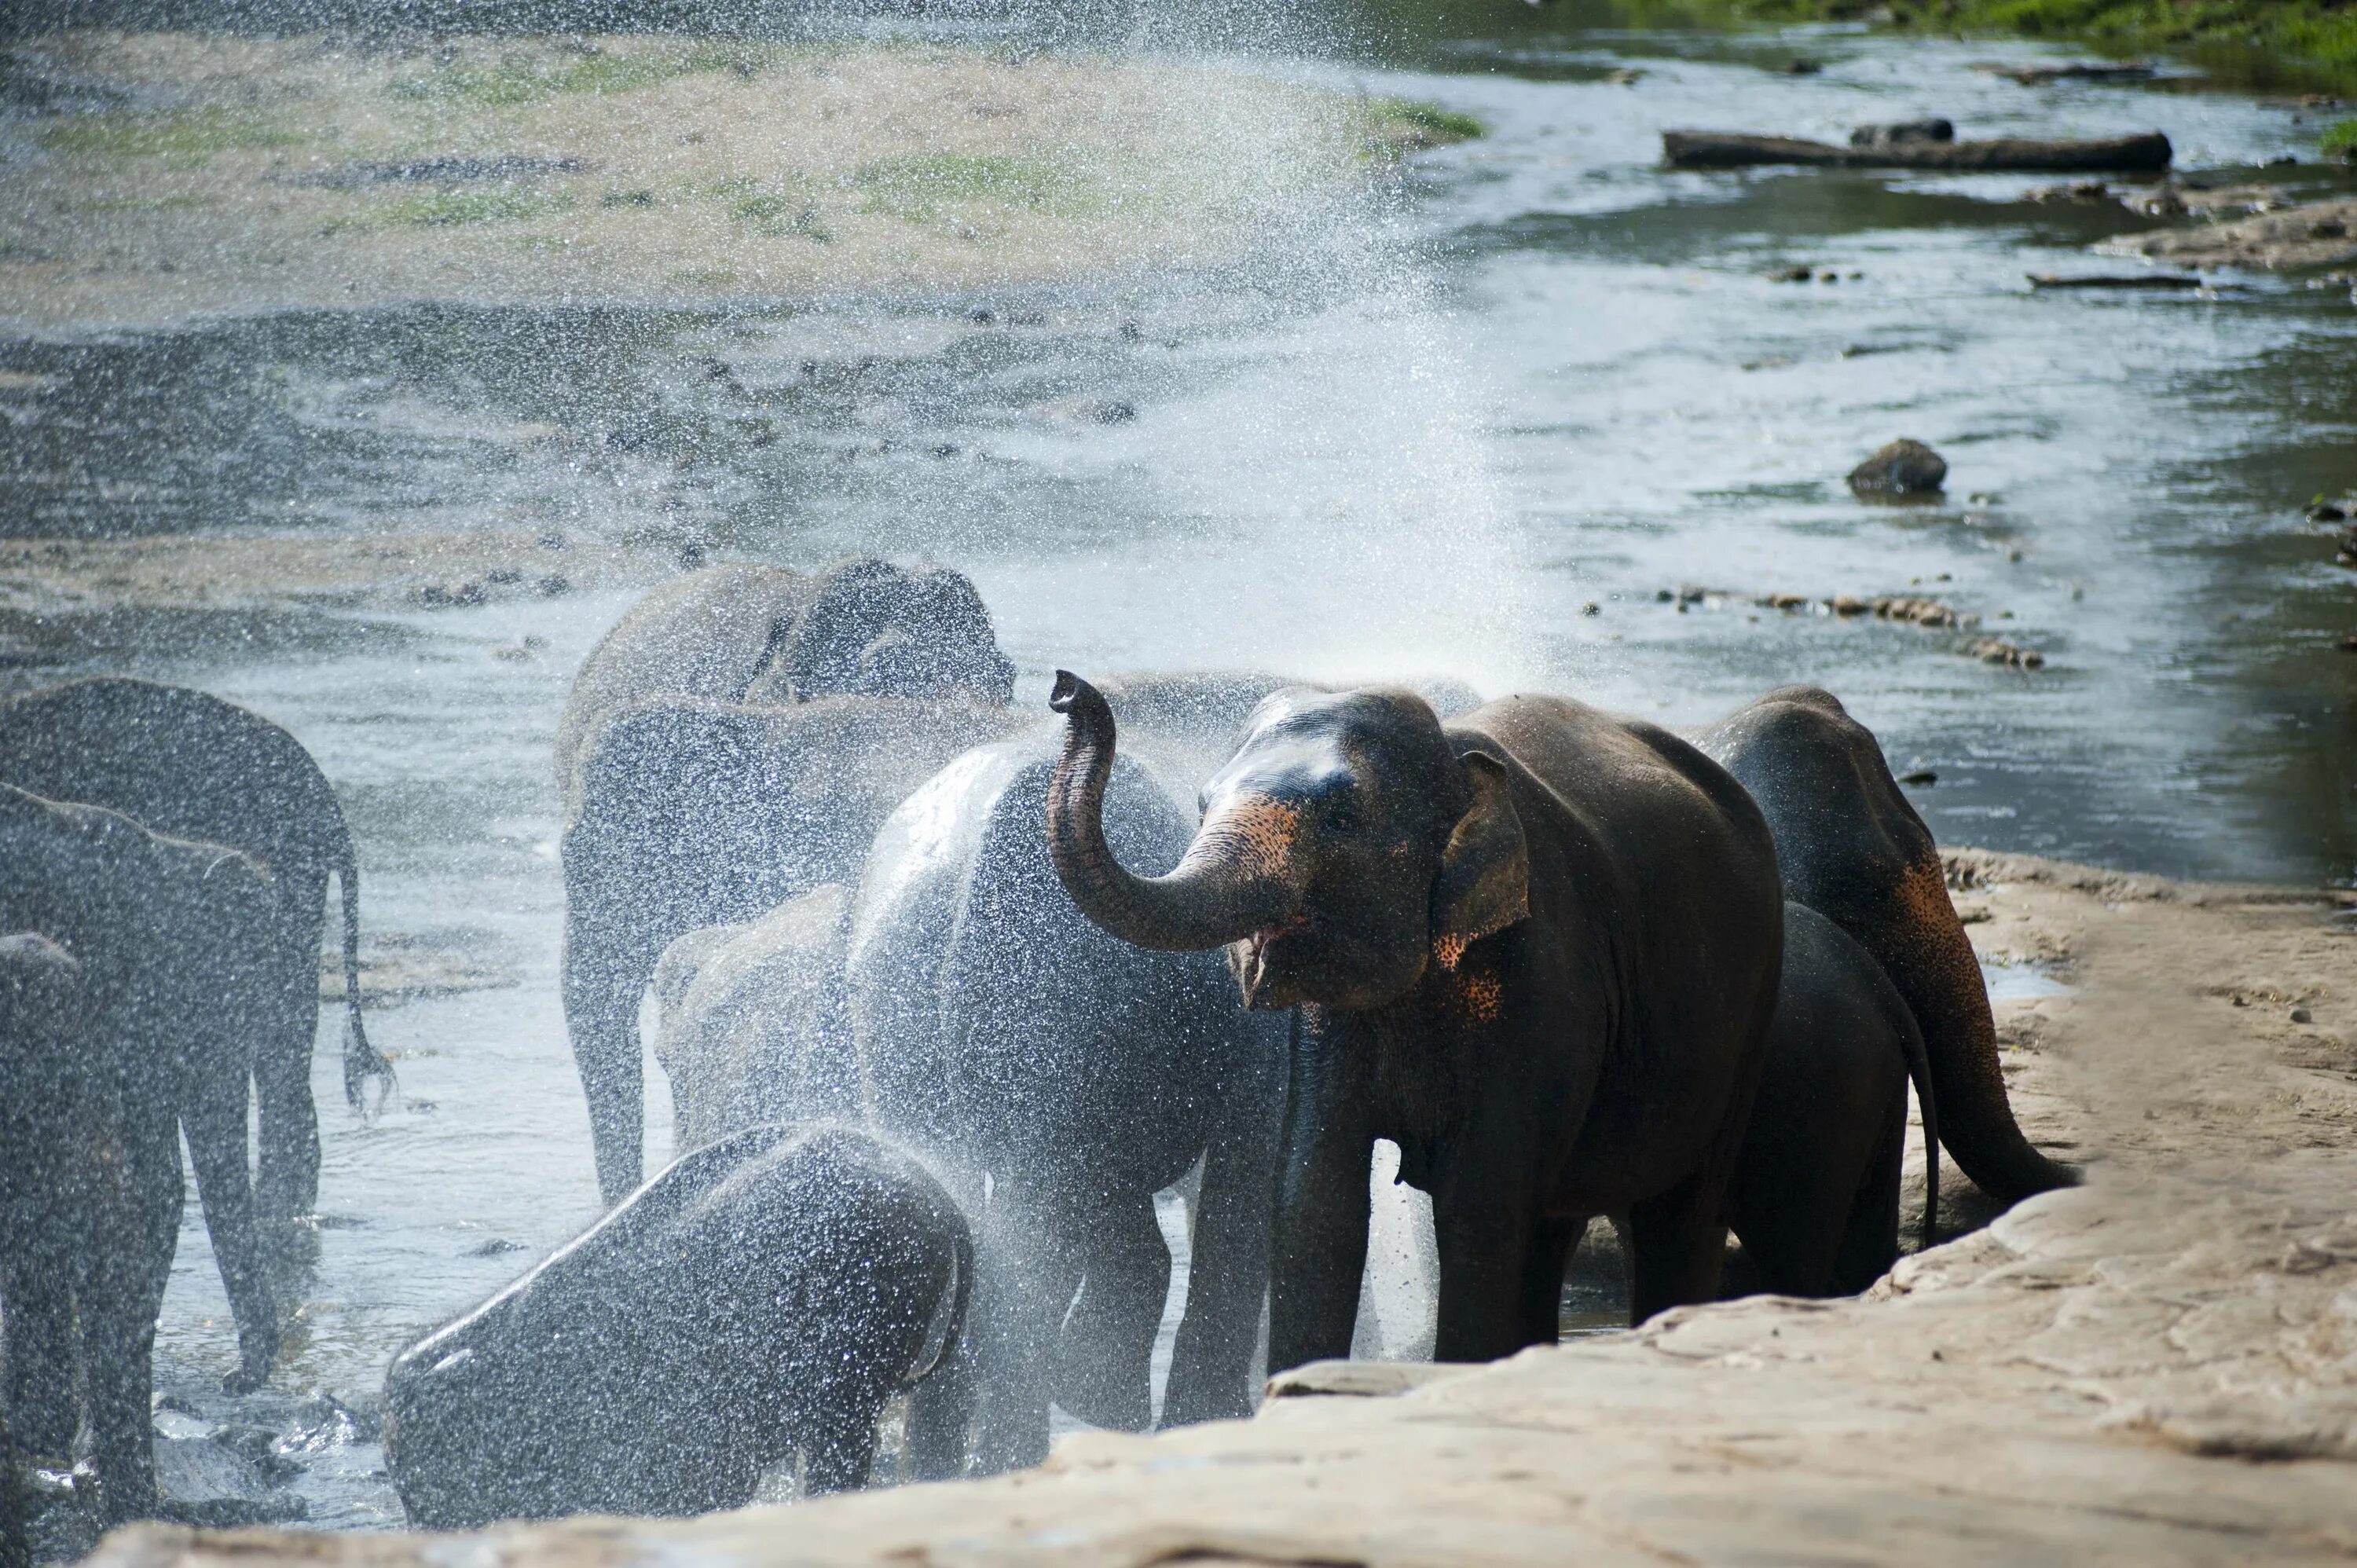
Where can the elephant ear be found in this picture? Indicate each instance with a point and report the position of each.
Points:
(1484, 884)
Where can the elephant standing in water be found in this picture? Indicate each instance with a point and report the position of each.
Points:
(188, 765)
(763, 1293)
(1000, 1031)
(732, 742)
(1853, 849)
(1536, 947)
(136, 980)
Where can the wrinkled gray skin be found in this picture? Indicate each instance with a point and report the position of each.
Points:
(1851, 848)
(1815, 1197)
(1536, 947)
(763, 1293)
(1001, 1031)
(188, 765)
(732, 742)
(169, 940)
(752, 1025)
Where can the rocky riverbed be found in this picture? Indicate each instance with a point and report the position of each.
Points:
(2160, 1364)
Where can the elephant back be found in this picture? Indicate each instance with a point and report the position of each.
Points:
(992, 1017)
(180, 761)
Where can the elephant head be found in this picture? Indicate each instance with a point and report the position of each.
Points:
(1348, 844)
(874, 629)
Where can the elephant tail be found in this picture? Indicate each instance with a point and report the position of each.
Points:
(1931, 961)
(363, 1061)
(1918, 1069)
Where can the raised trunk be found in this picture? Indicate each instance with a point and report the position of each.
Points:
(1208, 901)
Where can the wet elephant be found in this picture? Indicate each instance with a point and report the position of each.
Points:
(168, 942)
(1536, 947)
(1078, 1075)
(1815, 1197)
(1853, 849)
(762, 1294)
(191, 766)
(732, 742)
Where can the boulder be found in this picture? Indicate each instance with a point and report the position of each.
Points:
(1904, 467)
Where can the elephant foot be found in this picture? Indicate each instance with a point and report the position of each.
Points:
(254, 1365)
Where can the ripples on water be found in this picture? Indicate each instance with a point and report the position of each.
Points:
(1544, 373)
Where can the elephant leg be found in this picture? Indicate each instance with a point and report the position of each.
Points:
(1490, 1255)
(15, 1511)
(121, 1290)
(1869, 1240)
(607, 968)
(1026, 1282)
(215, 1117)
(1552, 1242)
(1227, 1280)
(286, 1186)
(940, 1415)
(1105, 1352)
(37, 1340)
(1318, 1248)
(839, 1442)
(1677, 1244)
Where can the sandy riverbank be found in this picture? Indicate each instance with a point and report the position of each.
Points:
(2158, 1366)
(169, 176)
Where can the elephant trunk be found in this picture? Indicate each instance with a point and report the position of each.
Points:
(1930, 960)
(1212, 898)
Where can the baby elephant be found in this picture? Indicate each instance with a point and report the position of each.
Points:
(765, 1293)
(1815, 1199)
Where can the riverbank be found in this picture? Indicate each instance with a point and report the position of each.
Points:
(2160, 1364)
(157, 177)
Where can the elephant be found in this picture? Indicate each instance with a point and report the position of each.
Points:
(1815, 1199)
(188, 765)
(1536, 947)
(763, 1294)
(1851, 848)
(1072, 1077)
(136, 991)
(752, 1025)
(732, 742)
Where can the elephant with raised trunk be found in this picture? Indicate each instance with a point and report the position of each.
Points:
(188, 765)
(732, 742)
(1001, 1031)
(1536, 947)
(1853, 849)
(136, 985)
(764, 1293)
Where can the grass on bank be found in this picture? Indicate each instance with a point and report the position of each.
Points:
(184, 138)
(526, 81)
(2317, 34)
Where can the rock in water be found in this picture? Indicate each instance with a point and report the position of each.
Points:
(1904, 467)
(1900, 132)
(209, 1484)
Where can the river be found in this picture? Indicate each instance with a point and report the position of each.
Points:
(1480, 428)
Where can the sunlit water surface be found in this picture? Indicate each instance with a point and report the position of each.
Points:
(1542, 374)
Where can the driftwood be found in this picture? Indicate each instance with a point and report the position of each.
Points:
(2040, 75)
(2140, 280)
(1733, 150)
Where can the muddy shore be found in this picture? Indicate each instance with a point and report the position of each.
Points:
(2160, 1364)
(166, 175)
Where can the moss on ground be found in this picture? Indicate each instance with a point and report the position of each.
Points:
(921, 187)
(185, 138)
(525, 80)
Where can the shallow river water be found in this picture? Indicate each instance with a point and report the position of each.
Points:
(1542, 374)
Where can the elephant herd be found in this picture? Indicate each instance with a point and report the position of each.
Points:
(947, 993)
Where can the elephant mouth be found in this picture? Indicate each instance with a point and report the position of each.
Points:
(1256, 960)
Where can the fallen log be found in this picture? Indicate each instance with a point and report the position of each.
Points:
(1734, 149)
(2097, 71)
(2140, 280)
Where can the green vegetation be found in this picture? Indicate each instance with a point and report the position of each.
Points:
(525, 81)
(2340, 141)
(918, 188)
(1404, 124)
(437, 209)
(185, 137)
(780, 217)
(2245, 37)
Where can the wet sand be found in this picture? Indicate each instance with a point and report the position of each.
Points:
(2160, 1364)
(201, 175)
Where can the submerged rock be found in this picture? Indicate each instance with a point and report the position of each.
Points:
(1903, 468)
(2314, 234)
(211, 1484)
